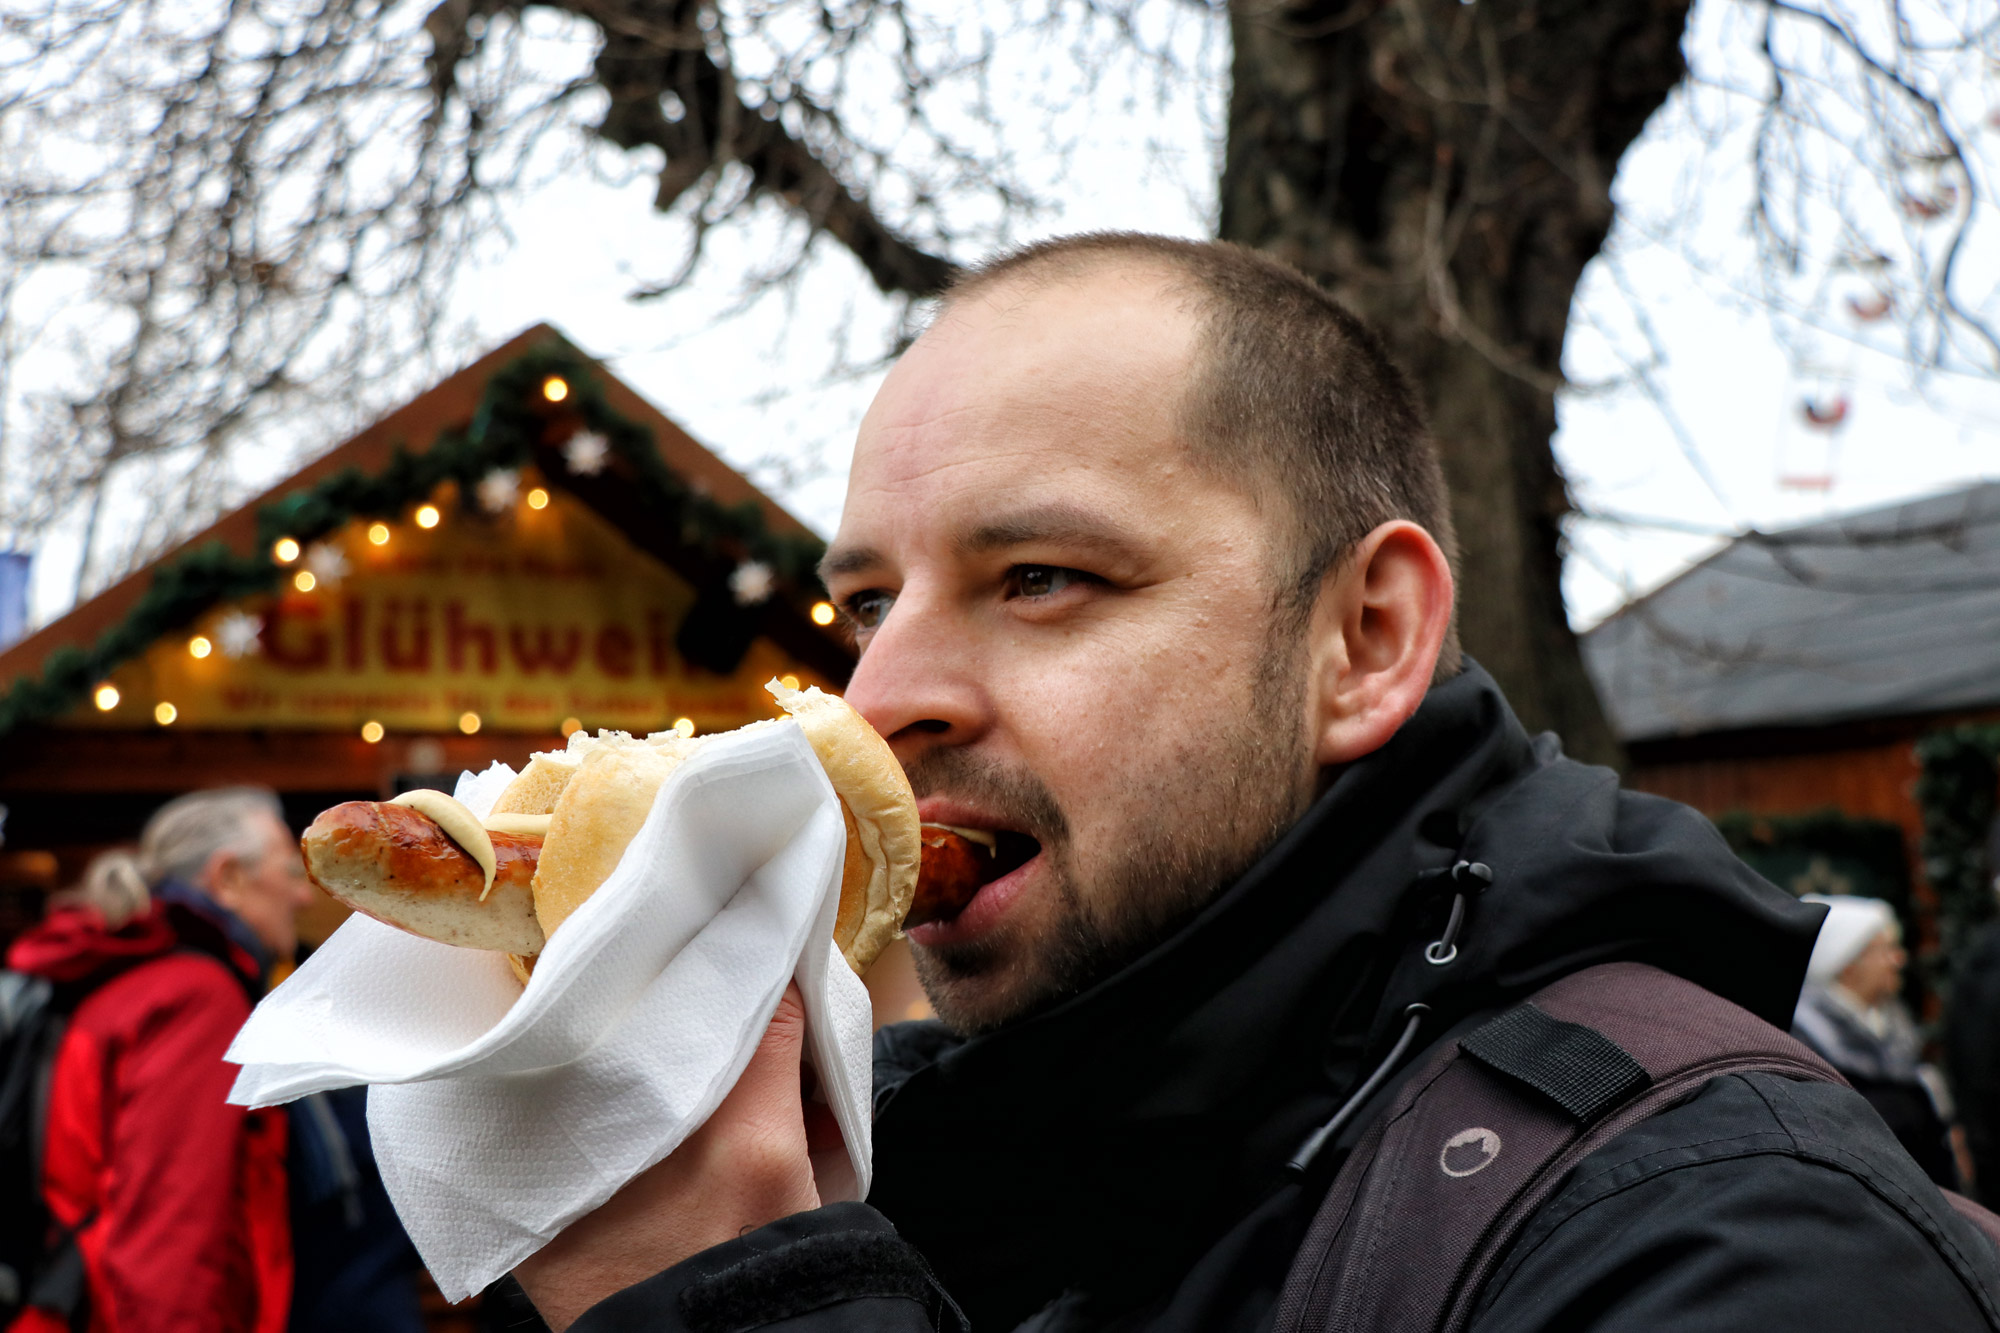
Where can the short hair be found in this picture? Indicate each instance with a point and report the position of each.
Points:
(1292, 390)
(185, 834)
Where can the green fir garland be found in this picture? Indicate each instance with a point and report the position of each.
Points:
(1957, 793)
(1824, 851)
(514, 418)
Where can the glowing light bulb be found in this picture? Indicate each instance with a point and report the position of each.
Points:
(571, 725)
(789, 682)
(106, 697)
(378, 533)
(371, 731)
(164, 713)
(428, 516)
(684, 725)
(555, 388)
(468, 723)
(285, 550)
(822, 613)
(538, 498)
(199, 646)
(304, 581)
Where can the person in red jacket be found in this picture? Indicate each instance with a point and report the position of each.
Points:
(177, 1199)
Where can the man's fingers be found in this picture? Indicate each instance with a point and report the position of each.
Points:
(762, 1123)
(788, 1025)
(770, 1082)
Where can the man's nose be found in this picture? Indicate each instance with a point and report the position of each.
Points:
(918, 682)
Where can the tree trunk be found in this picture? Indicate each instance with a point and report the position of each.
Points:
(1444, 168)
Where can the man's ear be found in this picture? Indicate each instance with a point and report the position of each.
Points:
(1377, 629)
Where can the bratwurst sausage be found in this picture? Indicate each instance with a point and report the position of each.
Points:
(954, 869)
(394, 863)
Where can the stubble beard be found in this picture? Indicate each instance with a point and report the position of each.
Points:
(1224, 796)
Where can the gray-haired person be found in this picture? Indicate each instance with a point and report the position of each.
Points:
(169, 1207)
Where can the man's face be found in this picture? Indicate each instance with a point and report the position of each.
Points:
(1068, 633)
(266, 888)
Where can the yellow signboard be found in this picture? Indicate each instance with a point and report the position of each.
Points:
(515, 622)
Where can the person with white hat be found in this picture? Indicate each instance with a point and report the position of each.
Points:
(1849, 1013)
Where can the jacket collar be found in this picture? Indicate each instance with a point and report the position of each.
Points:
(245, 952)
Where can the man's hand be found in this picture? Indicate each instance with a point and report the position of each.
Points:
(746, 1167)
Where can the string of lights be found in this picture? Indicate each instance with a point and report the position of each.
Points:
(544, 408)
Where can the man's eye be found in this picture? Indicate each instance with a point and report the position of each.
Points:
(1043, 580)
(866, 609)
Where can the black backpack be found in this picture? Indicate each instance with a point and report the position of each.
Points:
(36, 1267)
(1487, 1130)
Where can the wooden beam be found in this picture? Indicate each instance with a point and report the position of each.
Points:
(170, 760)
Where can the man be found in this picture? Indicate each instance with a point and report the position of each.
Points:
(174, 1201)
(1148, 559)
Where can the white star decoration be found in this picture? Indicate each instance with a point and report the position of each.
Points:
(586, 453)
(751, 583)
(497, 489)
(238, 634)
(326, 562)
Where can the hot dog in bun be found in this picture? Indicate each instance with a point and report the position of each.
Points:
(427, 864)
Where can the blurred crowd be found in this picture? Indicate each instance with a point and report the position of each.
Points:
(134, 1196)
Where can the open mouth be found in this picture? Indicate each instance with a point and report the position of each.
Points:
(959, 862)
(1011, 851)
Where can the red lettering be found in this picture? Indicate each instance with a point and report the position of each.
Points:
(615, 650)
(458, 631)
(417, 657)
(355, 645)
(307, 651)
(656, 642)
(544, 652)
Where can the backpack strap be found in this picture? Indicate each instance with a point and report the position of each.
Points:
(1483, 1134)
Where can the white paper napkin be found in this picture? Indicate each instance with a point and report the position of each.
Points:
(501, 1115)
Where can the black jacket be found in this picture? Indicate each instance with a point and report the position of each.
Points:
(1118, 1162)
(1972, 1055)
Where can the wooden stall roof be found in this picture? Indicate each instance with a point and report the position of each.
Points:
(414, 427)
(1893, 612)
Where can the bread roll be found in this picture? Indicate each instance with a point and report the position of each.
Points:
(597, 792)
(539, 786)
(602, 807)
(881, 812)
